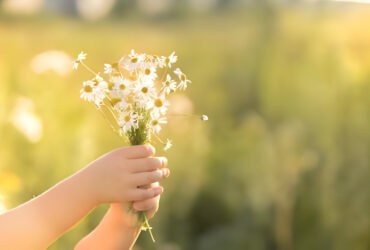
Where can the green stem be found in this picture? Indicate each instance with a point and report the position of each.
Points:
(148, 226)
(88, 68)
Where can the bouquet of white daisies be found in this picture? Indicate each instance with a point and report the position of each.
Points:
(132, 95)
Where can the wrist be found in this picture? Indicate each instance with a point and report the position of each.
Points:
(83, 187)
(124, 216)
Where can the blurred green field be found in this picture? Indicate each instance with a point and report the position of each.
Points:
(283, 162)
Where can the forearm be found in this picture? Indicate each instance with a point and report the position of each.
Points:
(117, 230)
(39, 222)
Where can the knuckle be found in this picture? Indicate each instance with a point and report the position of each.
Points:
(151, 177)
(148, 150)
(146, 194)
(156, 163)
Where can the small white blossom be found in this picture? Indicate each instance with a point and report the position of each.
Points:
(108, 69)
(183, 80)
(158, 104)
(168, 145)
(87, 92)
(121, 87)
(204, 118)
(156, 121)
(128, 120)
(170, 60)
(169, 85)
(80, 58)
(93, 92)
(144, 92)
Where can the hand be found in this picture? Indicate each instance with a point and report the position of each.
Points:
(119, 175)
(149, 205)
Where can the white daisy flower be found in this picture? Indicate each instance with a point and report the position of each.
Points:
(128, 120)
(156, 121)
(132, 62)
(169, 85)
(87, 92)
(170, 60)
(144, 91)
(108, 69)
(80, 58)
(183, 80)
(100, 92)
(121, 87)
(93, 92)
(148, 73)
(168, 145)
(158, 104)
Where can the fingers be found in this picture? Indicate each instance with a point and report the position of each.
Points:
(145, 205)
(139, 194)
(145, 178)
(148, 164)
(138, 151)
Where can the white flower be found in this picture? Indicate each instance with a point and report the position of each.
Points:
(158, 104)
(87, 92)
(168, 145)
(107, 69)
(144, 91)
(183, 80)
(169, 60)
(93, 91)
(80, 58)
(169, 85)
(156, 121)
(128, 120)
(204, 118)
(121, 87)
(148, 73)
(132, 62)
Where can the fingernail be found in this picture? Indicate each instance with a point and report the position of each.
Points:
(164, 161)
(166, 172)
(158, 190)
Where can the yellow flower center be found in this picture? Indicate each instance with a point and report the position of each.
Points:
(158, 103)
(167, 60)
(88, 89)
(134, 60)
(155, 122)
(147, 71)
(127, 118)
(183, 77)
(122, 86)
(167, 83)
(144, 90)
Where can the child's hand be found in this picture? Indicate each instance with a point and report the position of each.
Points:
(149, 205)
(119, 175)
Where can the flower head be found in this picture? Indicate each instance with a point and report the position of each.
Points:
(80, 58)
(170, 60)
(168, 145)
(108, 69)
(183, 79)
(169, 85)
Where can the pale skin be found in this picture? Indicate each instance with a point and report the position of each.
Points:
(124, 177)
